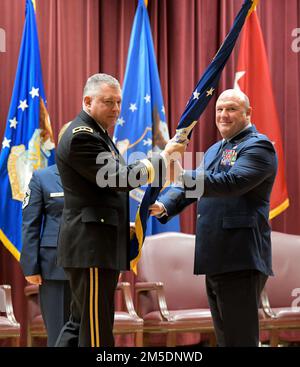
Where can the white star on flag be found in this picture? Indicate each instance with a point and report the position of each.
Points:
(23, 105)
(34, 92)
(13, 123)
(6, 143)
(210, 92)
(147, 98)
(133, 107)
(120, 121)
(163, 110)
(238, 76)
(196, 94)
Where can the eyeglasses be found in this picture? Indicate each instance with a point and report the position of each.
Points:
(111, 103)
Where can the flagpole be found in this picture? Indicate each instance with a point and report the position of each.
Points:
(253, 7)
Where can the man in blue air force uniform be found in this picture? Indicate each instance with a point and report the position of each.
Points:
(233, 246)
(42, 210)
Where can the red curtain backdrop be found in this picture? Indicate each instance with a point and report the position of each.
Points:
(81, 37)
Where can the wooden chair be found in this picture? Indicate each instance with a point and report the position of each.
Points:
(170, 299)
(280, 298)
(126, 322)
(9, 327)
(35, 324)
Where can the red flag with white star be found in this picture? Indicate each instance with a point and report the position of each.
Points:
(253, 78)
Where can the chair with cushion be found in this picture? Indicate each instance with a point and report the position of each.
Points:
(281, 296)
(9, 327)
(126, 322)
(170, 299)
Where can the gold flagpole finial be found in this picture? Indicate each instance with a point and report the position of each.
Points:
(253, 7)
(146, 3)
(34, 4)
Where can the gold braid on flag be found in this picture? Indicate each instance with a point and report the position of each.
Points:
(150, 169)
(146, 3)
(282, 207)
(9, 245)
(139, 232)
(253, 7)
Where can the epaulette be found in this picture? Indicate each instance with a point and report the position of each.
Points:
(85, 129)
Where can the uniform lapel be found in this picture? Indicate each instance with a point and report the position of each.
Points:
(213, 156)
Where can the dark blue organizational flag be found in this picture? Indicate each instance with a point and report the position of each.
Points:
(141, 127)
(28, 141)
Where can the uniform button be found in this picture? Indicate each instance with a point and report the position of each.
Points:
(102, 220)
(198, 216)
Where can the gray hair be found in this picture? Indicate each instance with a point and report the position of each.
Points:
(95, 82)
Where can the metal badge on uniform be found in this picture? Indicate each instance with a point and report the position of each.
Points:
(26, 198)
(228, 157)
(56, 194)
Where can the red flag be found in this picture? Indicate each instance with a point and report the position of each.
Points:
(253, 78)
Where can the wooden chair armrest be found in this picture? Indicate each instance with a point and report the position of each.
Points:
(266, 305)
(147, 286)
(8, 304)
(125, 288)
(158, 287)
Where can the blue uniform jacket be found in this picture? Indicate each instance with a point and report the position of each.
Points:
(42, 210)
(233, 231)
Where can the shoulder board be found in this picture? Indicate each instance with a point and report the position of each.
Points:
(85, 129)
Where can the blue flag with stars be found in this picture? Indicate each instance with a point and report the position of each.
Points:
(141, 127)
(196, 105)
(28, 140)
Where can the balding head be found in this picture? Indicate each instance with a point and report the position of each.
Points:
(232, 112)
(236, 94)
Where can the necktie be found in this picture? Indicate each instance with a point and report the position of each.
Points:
(224, 142)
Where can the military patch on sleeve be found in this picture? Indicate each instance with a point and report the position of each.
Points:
(85, 129)
(26, 198)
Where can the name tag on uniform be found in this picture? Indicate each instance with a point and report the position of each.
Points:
(56, 194)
